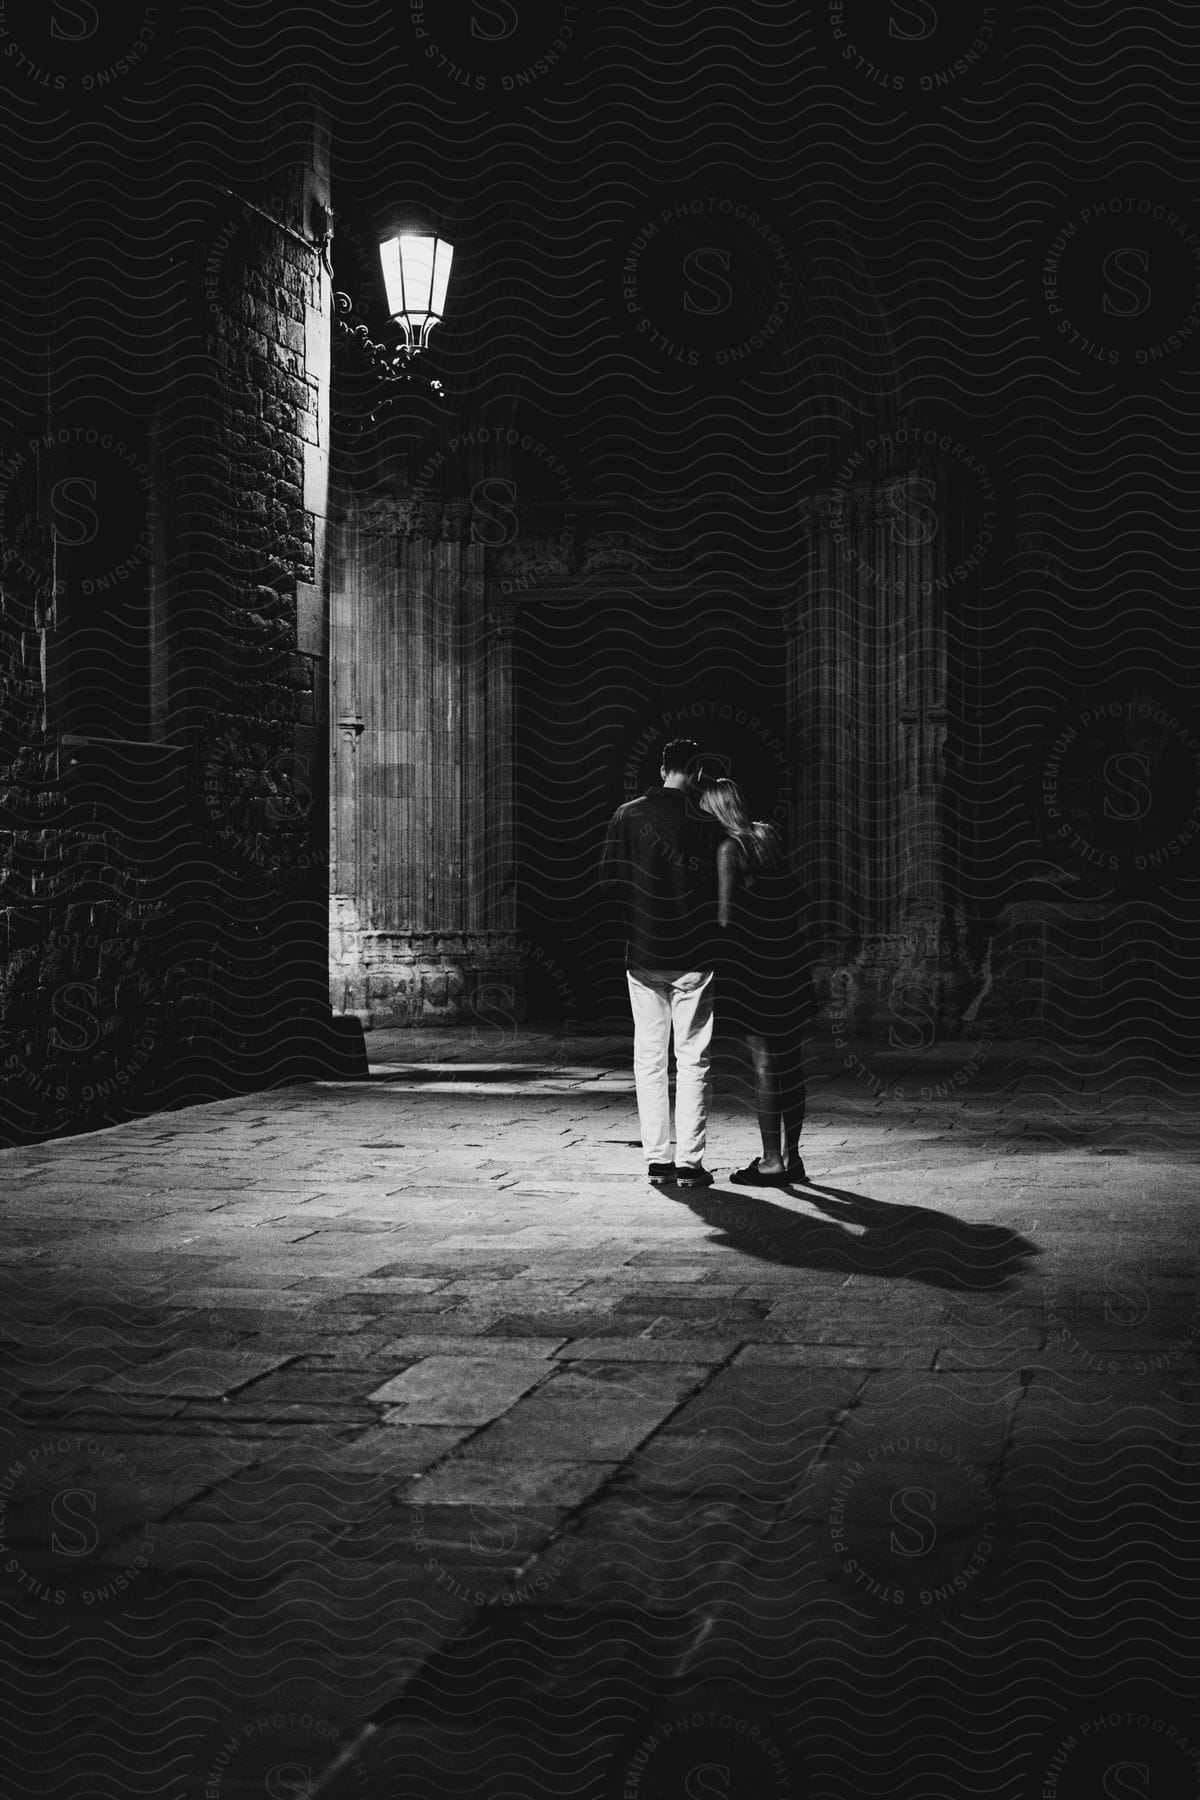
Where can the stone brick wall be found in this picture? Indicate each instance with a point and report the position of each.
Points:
(163, 841)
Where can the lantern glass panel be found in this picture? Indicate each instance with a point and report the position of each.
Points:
(416, 272)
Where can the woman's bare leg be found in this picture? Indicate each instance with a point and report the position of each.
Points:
(794, 1099)
(768, 1102)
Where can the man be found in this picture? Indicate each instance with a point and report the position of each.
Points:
(660, 861)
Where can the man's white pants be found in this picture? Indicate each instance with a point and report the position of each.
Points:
(662, 1000)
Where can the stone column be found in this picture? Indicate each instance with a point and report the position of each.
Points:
(867, 697)
(497, 887)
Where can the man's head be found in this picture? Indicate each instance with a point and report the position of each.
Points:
(711, 767)
(680, 761)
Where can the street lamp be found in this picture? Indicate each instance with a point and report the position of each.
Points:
(416, 272)
(415, 259)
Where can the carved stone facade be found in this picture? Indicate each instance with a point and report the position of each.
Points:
(426, 884)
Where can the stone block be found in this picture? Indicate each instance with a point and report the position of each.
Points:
(455, 1390)
(579, 1421)
(522, 1348)
(468, 1480)
(647, 1350)
(202, 1373)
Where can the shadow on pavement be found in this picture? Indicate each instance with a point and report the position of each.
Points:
(572, 1700)
(911, 1242)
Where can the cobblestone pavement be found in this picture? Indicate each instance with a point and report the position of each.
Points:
(408, 1399)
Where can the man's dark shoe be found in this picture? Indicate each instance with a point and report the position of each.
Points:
(661, 1174)
(689, 1177)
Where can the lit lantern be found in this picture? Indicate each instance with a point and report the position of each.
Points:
(416, 271)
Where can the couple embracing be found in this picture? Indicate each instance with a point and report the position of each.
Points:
(714, 936)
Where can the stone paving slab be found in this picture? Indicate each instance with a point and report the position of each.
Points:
(395, 1452)
(459, 1390)
(205, 1372)
(466, 1481)
(475, 1347)
(592, 1419)
(830, 1355)
(641, 1349)
(375, 1415)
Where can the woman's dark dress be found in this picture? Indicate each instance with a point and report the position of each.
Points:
(764, 973)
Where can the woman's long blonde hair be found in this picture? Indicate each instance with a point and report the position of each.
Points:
(757, 840)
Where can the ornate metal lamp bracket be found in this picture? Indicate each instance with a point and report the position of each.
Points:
(395, 365)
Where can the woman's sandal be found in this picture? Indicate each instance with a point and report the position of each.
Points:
(753, 1176)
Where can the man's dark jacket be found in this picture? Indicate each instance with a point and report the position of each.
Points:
(660, 862)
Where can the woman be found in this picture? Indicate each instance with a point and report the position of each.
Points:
(764, 984)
